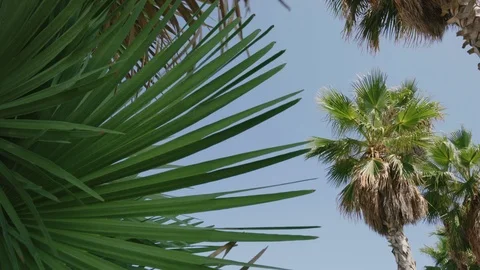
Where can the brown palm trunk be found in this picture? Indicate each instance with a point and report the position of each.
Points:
(472, 225)
(401, 249)
(466, 15)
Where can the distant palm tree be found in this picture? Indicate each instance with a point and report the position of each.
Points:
(452, 189)
(410, 20)
(441, 254)
(380, 134)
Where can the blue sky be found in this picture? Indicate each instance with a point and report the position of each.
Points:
(317, 56)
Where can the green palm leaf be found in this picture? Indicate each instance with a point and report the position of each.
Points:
(379, 146)
(79, 136)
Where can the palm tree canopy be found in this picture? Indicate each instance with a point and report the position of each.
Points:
(411, 20)
(379, 135)
(452, 183)
(441, 254)
(451, 175)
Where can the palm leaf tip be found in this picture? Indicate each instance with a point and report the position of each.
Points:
(412, 21)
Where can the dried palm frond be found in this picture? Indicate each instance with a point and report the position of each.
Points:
(186, 13)
(448, 256)
(383, 194)
(380, 135)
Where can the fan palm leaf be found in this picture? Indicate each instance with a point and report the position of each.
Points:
(186, 13)
(451, 179)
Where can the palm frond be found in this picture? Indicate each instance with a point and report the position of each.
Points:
(82, 138)
(414, 22)
(342, 114)
(378, 161)
(329, 150)
(371, 92)
(422, 111)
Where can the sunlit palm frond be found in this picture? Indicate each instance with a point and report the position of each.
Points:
(371, 92)
(418, 113)
(342, 113)
(405, 93)
(340, 172)
(186, 12)
(448, 258)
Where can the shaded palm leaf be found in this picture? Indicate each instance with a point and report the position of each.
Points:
(451, 178)
(377, 158)
(90, 200)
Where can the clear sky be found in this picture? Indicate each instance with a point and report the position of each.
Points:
(317, 56)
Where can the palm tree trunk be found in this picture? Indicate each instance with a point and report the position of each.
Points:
(466, 15)
(472, 225)
(401, 249)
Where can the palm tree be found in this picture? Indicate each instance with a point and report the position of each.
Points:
(441, 254)
(380, 134)
(409, 20)
(88, 156)
(452, 188)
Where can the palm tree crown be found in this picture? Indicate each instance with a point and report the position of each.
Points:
(379, 132)
(441, 255)
(380, 137)
(452, 188)
(409, 20)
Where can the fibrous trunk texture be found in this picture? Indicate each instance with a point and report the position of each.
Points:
(466, 15)
(473, 226)
(401, 249)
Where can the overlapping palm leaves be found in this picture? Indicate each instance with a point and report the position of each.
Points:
(186, 13)
(379, 138)
(452, 189)
(76, 136)
(378, 132)
(412, 21)
(441, 254)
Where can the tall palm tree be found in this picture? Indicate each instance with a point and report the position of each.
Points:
(452, 178)
(409, 20)
(380, 134)
(89, 156)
